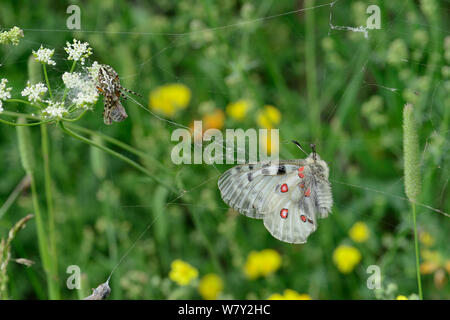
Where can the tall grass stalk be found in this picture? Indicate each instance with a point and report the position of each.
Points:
(28, 163)
(55, 294)
(412, 175)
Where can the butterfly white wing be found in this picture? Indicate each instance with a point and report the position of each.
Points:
(288, 195)
(246, 187)
(291, 213)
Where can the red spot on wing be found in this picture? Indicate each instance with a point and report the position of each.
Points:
(302, 186)
(300, 172)
(308, 193)
(303, 218)
(284, 213)
(284, 188)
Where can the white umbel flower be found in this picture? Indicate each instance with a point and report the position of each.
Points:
(54, 110)
(77, 50)
(44, 55)
(86, 97)
(12, 36)
(34, 92)
(72, 80)
(4, 93)
(93, 70)
(82, 89)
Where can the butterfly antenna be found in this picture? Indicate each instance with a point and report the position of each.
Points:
(299, 146)
(313, 148)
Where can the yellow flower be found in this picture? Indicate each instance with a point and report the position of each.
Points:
(294, 295)
(214, 120)
(276, 296)
(269, 117)
(238, 110)
(251, 267)
(290, 294)
(262, 263)
(270, 261)
(426, 238)
(182, 273)
(210, 286)
(401, 298)
(267, 144)
(346, 258)
(168, 98)
(359, 232)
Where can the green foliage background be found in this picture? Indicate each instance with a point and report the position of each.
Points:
(102, 204)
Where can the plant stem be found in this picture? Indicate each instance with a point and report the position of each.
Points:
(18, 114)
(416, 245)
(76, 118)
(13, 196)
(23, 101)
(42, 235)
(51, 214)
(23, 124)
(46, 81)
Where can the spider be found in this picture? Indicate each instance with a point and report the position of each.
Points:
(108, 85)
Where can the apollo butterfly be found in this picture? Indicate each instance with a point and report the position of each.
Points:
(289, 195)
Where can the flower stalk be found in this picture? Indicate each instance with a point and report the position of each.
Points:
(412, 175)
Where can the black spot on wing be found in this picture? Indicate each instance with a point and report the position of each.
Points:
(249, 176)
(281, 170)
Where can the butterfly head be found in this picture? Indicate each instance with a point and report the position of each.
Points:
(316, 162)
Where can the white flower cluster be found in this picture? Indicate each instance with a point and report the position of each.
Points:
(72, 80)
(93, 70)
(44, 55)
(4, 93)
(12, 36)
(77, 50)
(83, 89)
(34, 92)
(54, 110)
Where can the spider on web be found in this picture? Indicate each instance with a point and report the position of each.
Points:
(109, 86)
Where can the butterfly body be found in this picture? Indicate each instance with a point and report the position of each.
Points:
(289, 195)
(108, 84)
